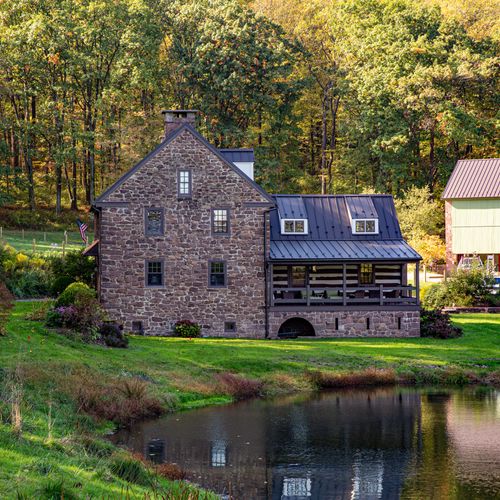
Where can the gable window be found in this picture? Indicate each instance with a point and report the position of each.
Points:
(220, 221)
(154, 222)
(366, 274)
(154, 273)
(184, 183)
(217, 274)
(293, 226)
(365, 226)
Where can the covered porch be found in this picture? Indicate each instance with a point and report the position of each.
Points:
(343, 284)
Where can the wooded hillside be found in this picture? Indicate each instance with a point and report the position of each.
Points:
(336, 96)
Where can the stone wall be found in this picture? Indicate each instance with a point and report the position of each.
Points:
(353, 323)
(186, 247)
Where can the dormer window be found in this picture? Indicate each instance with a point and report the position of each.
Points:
(365, 226)
(294, 226)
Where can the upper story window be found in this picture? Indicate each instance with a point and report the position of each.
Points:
(217, 276)
(184, 183)
(154, 221)
(365, 226)
(294, 226)
(154, 273)
(220, 221)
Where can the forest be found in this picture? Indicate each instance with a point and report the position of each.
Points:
(335, 96)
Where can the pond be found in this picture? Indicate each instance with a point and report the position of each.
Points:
(359, 444)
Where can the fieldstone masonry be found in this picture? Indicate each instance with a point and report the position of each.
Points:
(353, 323)
(186, 247)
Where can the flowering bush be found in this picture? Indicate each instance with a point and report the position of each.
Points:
(187, 329)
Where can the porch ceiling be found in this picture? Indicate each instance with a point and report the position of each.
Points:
(342, 250)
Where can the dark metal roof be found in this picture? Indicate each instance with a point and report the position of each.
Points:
(330, 234)
(342, 250)
(361, 207)
(238, 155)
(291, 207)
(474, 179)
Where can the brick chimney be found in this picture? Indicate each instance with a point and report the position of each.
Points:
(176, 117)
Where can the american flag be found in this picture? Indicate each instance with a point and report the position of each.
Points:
(83, 228)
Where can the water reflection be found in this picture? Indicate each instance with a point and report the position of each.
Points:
(380, 444)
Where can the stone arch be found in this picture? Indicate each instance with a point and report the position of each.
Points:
(296, 327)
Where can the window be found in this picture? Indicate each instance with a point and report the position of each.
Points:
(184, 183)
(154, 273)
(365, 226)
(365, 274)
(298, 276)
(154, 221)
(219, 458)
(217, 274)
(296, 487)
(220, 221)
(137, 327)
(230, 326)
(294, 226)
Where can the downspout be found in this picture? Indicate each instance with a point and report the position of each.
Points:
(266, 273)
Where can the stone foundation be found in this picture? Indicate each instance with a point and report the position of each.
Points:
(352, 323)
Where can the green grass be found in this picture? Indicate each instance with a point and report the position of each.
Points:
(184, 372)
(48, 241)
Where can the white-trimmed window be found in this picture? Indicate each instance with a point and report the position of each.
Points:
(294, 226)
(184, 183)
(365, 226)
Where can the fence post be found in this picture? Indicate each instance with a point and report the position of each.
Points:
(64, 248)
(44, 236)
(33, 246)
(66, 237)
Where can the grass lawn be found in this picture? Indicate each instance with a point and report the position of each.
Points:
(184, 372)
(48, 241)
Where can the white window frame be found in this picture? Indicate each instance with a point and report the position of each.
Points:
(306, 226)
(354, 221)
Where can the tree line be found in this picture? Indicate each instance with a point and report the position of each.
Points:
(336, 96)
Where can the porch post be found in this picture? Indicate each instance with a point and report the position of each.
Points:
(417, 281)
(344, 283)
(270, 284)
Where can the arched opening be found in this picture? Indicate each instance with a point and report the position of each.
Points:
(296, 327)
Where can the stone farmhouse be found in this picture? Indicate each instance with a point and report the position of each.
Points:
(472, 214)
(188, 234)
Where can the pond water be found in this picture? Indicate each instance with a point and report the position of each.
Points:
(359, 444)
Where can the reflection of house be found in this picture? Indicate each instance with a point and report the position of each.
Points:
(472, 212)
(344, 445)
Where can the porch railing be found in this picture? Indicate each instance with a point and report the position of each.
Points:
(348, 295)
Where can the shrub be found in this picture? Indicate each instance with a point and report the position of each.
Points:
(435, 323)
(73, 267)
(112, 335)
(187, 329)
(239, 387)
(39, 311)
(71, 292)
(465, 288)
(129, 469)
(170, 471)
(367, 377)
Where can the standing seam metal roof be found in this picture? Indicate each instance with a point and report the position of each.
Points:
(330, 234)
(474, 179)
(238, 155)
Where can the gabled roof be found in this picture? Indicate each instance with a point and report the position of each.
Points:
(238, 155)
(474, 179)
(330, 234)
(170, 137)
